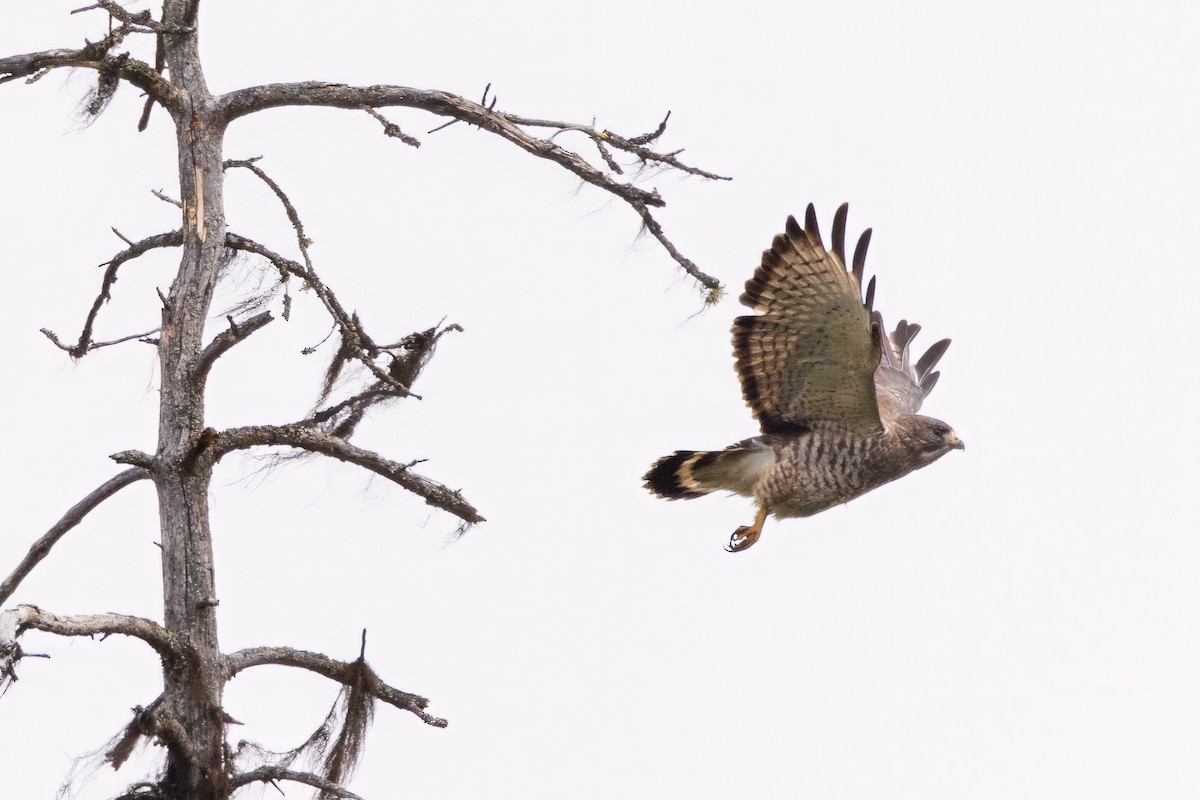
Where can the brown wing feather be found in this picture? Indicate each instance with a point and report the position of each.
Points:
(812, 352)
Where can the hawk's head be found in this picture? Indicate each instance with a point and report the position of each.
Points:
(927, 439)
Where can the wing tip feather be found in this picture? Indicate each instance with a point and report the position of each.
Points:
(860, 252)
(811, 228)
(931, 357)
(839, 234)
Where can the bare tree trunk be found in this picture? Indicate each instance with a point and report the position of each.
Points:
(192, 695)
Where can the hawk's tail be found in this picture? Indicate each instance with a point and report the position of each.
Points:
(688, 473)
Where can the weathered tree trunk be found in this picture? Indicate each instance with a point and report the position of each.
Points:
(192, 694)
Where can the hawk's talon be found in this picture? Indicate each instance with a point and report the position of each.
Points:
(747, 535)
(742, 538)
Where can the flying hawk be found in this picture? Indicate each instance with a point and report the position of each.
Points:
(836, 397)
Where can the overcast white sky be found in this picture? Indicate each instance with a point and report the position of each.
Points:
(1019, 620)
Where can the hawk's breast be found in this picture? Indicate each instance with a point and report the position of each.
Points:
(827, 465)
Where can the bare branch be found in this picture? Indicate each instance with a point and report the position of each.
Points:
(305, 436)
(258, 98)
(22, 618)
(95, 56)
(321, 664)
(508, 126)
(351, 332)
(41, 548)
(236, 332)
(272, 774)
(85, 345)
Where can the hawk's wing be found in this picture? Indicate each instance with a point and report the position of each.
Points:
(811, 354)
(900, 384)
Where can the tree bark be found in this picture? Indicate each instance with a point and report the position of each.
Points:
(192, 695)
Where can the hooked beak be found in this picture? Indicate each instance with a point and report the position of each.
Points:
(956, 443)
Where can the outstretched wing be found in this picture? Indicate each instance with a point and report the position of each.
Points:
(901, 385)
(812, 353)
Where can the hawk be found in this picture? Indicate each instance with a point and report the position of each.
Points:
(835, 395)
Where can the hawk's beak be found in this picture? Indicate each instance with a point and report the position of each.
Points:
(956, 443)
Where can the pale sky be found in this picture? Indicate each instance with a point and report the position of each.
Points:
(1017, 620)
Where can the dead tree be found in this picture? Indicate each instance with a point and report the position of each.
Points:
(187, 718)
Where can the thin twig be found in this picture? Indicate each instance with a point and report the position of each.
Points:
(271, 774)
(635, 145)
(715, 290)
(141, 337)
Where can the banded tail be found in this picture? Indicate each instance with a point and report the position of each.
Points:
(690, 473)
